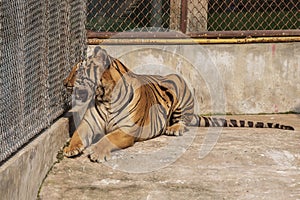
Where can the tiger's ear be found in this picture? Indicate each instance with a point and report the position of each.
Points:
(101, 56)
(98, 51)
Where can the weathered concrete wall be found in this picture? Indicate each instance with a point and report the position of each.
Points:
(260, 78)
(22, 175)
(239, 79)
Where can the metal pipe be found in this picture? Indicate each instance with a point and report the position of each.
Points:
(191, 41)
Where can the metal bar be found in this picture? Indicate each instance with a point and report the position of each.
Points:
(132, 35)
(183, 19)
(190, 41)
(244, 34)
(206, 34)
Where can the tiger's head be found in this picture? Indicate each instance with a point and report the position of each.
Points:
(85, 77)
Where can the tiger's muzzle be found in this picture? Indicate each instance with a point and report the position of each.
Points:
(81, 94)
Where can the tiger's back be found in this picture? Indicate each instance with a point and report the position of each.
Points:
(146, 106)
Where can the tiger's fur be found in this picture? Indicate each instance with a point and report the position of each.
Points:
(126, 107)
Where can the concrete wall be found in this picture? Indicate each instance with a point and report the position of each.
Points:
(239, 78)
(22, 175)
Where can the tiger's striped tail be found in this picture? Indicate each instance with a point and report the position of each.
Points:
(202, 121)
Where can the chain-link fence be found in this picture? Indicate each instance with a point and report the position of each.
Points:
(193, 15)
(40, 41)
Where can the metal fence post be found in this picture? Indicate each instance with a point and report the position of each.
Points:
(183, 20)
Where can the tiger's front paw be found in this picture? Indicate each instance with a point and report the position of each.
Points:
(176, 129)
(98, 154)
(73, 150)
(75, 147)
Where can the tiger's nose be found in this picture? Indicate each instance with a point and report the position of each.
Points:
(81, 94)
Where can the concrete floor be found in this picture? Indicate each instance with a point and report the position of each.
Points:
(228, 163)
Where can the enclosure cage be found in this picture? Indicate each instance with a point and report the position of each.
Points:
(42, 40)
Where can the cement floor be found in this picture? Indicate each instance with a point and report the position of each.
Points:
(228, 163)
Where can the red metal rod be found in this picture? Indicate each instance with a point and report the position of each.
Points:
(205, 34)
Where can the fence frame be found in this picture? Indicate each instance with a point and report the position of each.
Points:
(217, 37)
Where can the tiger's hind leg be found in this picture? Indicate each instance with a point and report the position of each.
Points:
(178, 123)
(75, 147)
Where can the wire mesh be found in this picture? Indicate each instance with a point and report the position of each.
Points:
(192, 15)
(40, 41)
(254, 15)
(120, 15)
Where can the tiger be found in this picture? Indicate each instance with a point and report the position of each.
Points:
(126, 107)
